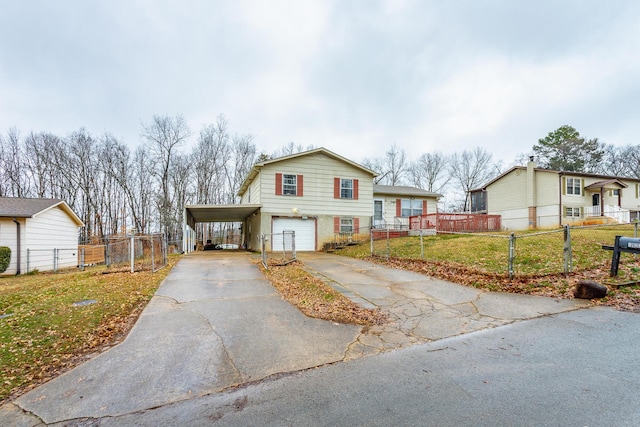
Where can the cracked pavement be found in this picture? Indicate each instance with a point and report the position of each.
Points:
(421, 308)
(216, 323)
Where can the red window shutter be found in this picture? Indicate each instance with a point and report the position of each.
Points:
(278, 184)
(336, 224)
(336, 188)
(398, 207)
(356, 225)
(424, 207)
(355, 189)
(299, 186)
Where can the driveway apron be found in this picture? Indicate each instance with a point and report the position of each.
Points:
(421, 308)
(215, 322)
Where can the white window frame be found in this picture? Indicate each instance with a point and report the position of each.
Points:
(572, 212)
(346, 225)
(346, 188)
(289, 187)
(573, 185)
(412, 207)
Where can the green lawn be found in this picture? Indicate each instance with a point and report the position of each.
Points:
(535, 253)
(42, 332)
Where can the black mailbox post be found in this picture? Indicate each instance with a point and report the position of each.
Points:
(622, 244)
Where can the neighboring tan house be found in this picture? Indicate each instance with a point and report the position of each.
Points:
(318, 194)
(529, 197)
(393, 205)
(40, 232)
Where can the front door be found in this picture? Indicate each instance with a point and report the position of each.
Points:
(596, 203)
(378, 214)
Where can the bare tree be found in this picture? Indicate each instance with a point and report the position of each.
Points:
(165, 135)
(392, 168)
(13, 164)
(244, 156)
(631, 159)
(430, 172)
(208, 158)
(470, 169)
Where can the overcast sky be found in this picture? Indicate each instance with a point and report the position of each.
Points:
(352, 76)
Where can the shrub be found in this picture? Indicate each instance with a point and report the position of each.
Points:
(5, 258)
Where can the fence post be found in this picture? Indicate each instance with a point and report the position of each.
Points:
(28, 260)
(293, 244)
(153, 263)
(371, 240)
(263, 249)
(512, 253)
(132, 250)
(107, 254)
(421, 245)
(55, 260)
(388, 244)
(82, 259)
(567, 250)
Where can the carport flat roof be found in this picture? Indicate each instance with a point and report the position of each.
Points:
(218, 213)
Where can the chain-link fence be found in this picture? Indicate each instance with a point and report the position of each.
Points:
(133, 253)
(136, 253)
(54, 259)
(569, 249)
(278, 248)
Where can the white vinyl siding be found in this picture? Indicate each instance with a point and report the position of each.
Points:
(51, 229)
(319, 171)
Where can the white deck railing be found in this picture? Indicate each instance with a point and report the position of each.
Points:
(621, 215)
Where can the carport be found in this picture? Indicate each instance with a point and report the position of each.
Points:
(212, 213)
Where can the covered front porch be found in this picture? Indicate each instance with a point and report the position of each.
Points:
(606, 201)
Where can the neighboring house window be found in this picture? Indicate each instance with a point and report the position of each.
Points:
(345, 188)
(410, 207)
(574, 186)
(615, 192)
(288, 185)
(479, 201)
(571, 212)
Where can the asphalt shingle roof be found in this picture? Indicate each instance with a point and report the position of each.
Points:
(16, 207)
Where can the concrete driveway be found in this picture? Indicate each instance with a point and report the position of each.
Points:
(422, 308)
(216, 323)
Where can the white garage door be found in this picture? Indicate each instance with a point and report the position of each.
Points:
(305, 233)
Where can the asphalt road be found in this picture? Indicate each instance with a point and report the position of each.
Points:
(578, 368)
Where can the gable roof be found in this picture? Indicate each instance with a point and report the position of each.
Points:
(608, 183)
(402, 190)
(607, 178)
(256, 168)
(18, 207)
